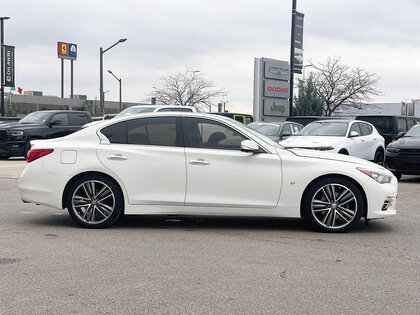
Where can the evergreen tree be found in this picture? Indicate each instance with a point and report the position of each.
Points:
(309, 102)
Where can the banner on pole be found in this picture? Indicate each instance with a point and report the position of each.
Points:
(8, 66)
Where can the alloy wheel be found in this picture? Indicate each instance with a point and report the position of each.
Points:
(93, 202)
(334, 206)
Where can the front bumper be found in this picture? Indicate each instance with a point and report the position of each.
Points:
(381, 198)
(15, 148)
(403, 162)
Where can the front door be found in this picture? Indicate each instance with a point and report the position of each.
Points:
(148, 156)
(219, 174)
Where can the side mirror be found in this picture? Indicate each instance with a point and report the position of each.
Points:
(55, 122)
(249, 146)
(286, 133)
(400, 134)
(353, 134)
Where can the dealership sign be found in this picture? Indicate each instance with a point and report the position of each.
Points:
(8, 66)
(271, 89)
(276, 107)
(298, 43)
(66, 50)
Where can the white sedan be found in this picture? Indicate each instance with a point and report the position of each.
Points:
(199, 164)
(349, 137)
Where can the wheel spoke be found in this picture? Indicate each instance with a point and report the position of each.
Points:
(326, 216)
(106, 197)
(98, 195)
(345, 191)
(86, 212)
(86, 188)
(320, 202)
(80, 198)
(345, 219)
(105, 207)
(326, 195)
(348, 212)
(321, 209)
(99, 210)
(333, 193)
(347, 201)
(82, 205)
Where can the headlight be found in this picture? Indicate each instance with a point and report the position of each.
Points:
(379, 177)
(392, 149)
(15, 133)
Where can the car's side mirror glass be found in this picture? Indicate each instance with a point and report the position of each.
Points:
(55, 122)
(353, 134)
(249, 146)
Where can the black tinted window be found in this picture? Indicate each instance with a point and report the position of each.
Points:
(204, 133)
(382, 123)
(152, 131)
(116, 133)
(402, 125)
(78, 119)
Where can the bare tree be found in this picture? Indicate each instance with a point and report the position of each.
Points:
(342, 86)
(188, 88)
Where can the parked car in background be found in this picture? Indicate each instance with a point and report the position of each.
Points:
(304, 120)
(142, 109)
(349, 137)
(403, 155)
(15, 137)
(276, 131)
(199, 164)
(389, 126)
(242, 118)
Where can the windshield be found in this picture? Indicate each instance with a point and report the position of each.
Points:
(413, 132)
(332, 129)
(135, 110)
(269, 130)
(35, 118)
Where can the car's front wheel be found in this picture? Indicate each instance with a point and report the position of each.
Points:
(333, 204)
(379, 157)
(94, 201)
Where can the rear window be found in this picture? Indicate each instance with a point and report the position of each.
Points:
(78, 119)
(383, 124)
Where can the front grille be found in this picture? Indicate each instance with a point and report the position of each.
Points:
(3, 136)
(410, 152)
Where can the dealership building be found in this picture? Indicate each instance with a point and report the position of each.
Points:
(32, 101)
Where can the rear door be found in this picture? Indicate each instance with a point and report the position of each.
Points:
(371, 140)
(357, 145)
(148, 156)
(219, 174)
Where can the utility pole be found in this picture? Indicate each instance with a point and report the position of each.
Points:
(292, 57)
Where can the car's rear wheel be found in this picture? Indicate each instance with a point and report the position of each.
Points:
(94, 201)
(379, 157)
(4, 157)
(333, 204)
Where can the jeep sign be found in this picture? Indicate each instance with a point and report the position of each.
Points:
(276, 107)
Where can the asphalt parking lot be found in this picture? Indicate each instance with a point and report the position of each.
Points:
(202, 265)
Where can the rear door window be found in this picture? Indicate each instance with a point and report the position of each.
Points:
(355, 127)
(78, 119)
(159, 131)
(365, 129)
(116, 133)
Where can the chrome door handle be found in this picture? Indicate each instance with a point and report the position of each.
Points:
(199, 162)
(117, 157)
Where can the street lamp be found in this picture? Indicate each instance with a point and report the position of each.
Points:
(2, 19)
(119, 80)
(101, 73)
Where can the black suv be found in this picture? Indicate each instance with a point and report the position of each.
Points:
(390, 126)
(15, 137)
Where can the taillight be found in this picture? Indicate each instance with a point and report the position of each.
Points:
(37, 153)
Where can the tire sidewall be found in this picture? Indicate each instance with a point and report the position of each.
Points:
(119, 201)
(309, 194)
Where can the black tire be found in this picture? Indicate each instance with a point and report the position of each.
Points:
(94, 210)
(343, 151)
(333, 214)
(379, 157)
(4, 157)
(397, 175)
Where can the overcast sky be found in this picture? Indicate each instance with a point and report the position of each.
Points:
(220, 38)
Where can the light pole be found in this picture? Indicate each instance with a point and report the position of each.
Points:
(101, 73)
(119, 80)
(2, 19)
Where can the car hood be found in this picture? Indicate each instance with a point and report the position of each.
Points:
(407, 143)
(18, 126)
(310, 141)
(334, 157)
